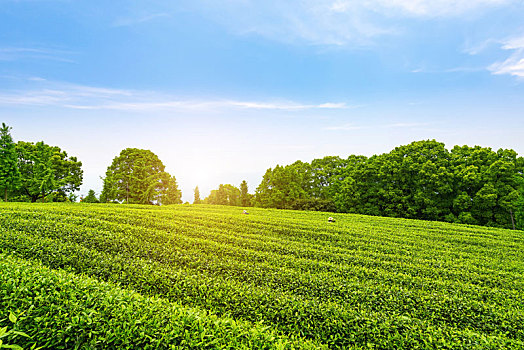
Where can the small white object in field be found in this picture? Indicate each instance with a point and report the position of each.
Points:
(330, 219)
(245, 212)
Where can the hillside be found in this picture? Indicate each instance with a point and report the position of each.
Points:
(273, 278)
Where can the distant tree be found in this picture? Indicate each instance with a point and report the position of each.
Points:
(9, 172)
(225, 195)
(46, 170)
(221, 195)
(519, 207)
(486, 189)
(197, 199)
(283, 185)
(138, 176)
(91, 197)
(323, 174)
(421, 180)
(245, 197)
(72, 197)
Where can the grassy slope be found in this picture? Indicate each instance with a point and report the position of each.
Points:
(360, 282)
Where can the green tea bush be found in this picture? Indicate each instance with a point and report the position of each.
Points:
(59, 310)
(362, 282)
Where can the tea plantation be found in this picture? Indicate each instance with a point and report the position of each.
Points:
(197, 276)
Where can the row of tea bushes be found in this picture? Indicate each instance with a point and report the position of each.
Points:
(53, 309)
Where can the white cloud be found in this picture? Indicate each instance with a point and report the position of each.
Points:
(129, 21)
(94, 98)
(405, 125)
(344, 127)
(436, 8)
(333, 22)
(514, 64)
(24, 53)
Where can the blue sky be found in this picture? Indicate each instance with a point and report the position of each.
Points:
(223, 90)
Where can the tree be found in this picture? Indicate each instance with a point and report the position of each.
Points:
(138, 176)
(9, 172)
(225, 195)
(91, 197)
(283, 185)
(245, 197)
(46, 170)
(519, 210)
(197, 199)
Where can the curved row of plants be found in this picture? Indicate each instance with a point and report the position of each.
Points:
(44, 308)
(375, 286)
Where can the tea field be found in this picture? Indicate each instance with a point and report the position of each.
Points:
(197, 276)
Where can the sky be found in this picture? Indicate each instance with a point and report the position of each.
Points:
(223, 90)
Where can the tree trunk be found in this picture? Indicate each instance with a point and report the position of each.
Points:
(512, 220)
(5, 194)
(43, 197)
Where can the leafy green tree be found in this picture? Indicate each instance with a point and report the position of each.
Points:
(46, 170)
(421, 180)
(283, 185)
(91, 197)
(9, 172)
(221, 195)
(486, 189)
(323, 173)
(225, 195)
(197, 199)
(519, 205)
(138, 176)
(245, 197)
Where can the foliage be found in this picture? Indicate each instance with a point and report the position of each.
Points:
(422, 180)
(138, 176)
(9, 172)
(72, 312)
(197, 199)
(225, 195)
(11, 334)
(519, 207)
(361, 282)
(46, 170)
(245, 197)
(282, 186)
(315, 204)
(91, 197)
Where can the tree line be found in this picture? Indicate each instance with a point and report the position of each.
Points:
(37, 172)
(422, 180)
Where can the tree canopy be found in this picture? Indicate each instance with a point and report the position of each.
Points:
(46, 170)
(138, 176)
(91, 197)
(9, 172)
(225, 195)
(422, 180)
(245, 197)
(196, 199)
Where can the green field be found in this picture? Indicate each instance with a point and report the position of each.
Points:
(116, 276)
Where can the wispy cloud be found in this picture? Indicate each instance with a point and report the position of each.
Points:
(405, 125)
(129, 21)
(81, 97)
(31, 53)
(448, 70)
(333, 22)
(435, 8)
(514, 64)
(343, 127)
